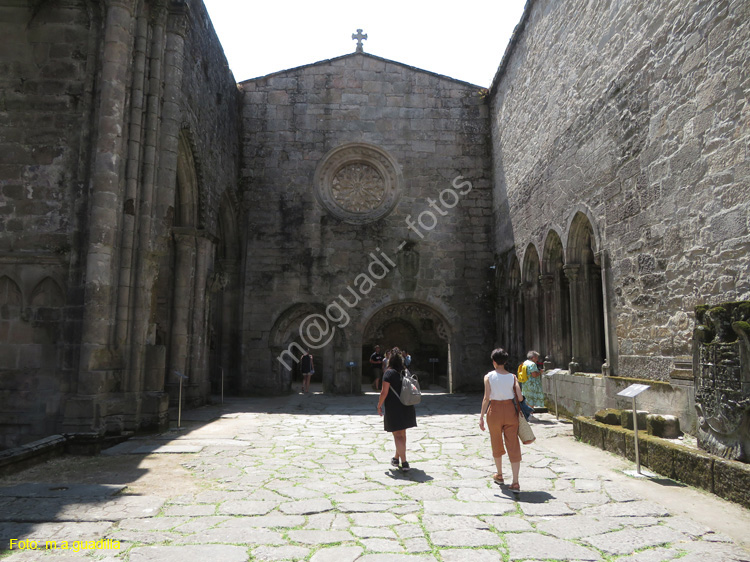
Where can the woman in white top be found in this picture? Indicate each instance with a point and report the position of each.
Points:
(500, 386)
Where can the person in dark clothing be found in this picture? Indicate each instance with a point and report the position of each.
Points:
(307, 368)
(376, 360)
(398, 418)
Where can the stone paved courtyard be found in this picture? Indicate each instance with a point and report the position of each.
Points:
(307, 477)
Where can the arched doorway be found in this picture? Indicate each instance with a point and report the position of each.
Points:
(287, 347)
(224, 288)
(417, 328)
(584, 276)
(532, 306)
(556, 299)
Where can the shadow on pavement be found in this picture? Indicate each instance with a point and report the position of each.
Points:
(414, 475)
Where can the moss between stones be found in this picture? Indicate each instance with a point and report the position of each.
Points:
(741, 327)
(693, 468)
(614, 440)
(593, 434)
(732, 481)
(727, 479)
(609, 416)
(660, 456)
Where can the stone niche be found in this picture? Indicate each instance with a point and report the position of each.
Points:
(721, 363)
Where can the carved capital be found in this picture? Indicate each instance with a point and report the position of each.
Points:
(571, 271)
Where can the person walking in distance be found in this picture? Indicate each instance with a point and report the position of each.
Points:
(532, 388)
(376, 360)
(500, 387)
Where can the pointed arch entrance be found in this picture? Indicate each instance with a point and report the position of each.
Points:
(421, 330)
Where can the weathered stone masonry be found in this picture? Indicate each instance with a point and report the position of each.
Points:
(158, 218)
(435, 129)
(638, 132)
(102, 143)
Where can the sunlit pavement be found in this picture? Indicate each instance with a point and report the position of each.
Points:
(307, 477)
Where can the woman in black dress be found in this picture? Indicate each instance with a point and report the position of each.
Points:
(398, 418)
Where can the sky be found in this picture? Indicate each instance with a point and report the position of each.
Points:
(260, 38)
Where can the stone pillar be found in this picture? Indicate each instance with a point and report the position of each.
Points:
(171, 116)
(201, 384)
(571, 272)
(592, 355)
(532, 331)
(184, 276)
(97, 356)
(145, 259)
(229, 325)
(550, 335)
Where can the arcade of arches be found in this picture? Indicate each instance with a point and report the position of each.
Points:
(555, 304)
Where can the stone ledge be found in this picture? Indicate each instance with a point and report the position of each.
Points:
(19, 458)
(726, 478)
(86, 444)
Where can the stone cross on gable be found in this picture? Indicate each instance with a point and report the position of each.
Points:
(359, 36)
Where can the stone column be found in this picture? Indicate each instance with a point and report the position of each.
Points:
(146, 261)
(171, 115)
(594, 329)
(550, 334)
(97, 356)
(133, 378)
(200, 385)
(184, 276)
(228, 337)
(571, 272)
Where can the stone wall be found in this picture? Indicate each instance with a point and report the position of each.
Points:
(101, 103)
(634, 115)
(301, 257)
(47, 62)
(585, 394)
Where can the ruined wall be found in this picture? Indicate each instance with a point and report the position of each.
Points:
(211, 113)
(48, 59)
(636, 115)
(89, 151)
(301, 257)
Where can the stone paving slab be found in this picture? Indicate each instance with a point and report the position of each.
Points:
(318, 487)
(57, 490)
(166, 449)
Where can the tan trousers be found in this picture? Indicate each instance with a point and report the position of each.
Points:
(502, 421)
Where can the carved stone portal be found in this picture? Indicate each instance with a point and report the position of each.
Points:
(721, 363)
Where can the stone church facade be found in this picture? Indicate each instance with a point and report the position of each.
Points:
(163, 227)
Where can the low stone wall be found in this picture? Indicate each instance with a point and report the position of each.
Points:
(727, 479)
(584, 394)
(17, 458)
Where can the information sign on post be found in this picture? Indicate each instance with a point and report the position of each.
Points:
(179, 398)
(552, 374)
(631, 392)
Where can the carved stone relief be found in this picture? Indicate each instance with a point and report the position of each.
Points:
(721, 363)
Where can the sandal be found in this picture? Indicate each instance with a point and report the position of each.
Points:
(515, 487)
(498, 478)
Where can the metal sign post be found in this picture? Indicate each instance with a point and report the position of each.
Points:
(179, 398)
(351, 365)
(433, 360)
(552, 374)
(631, 392)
